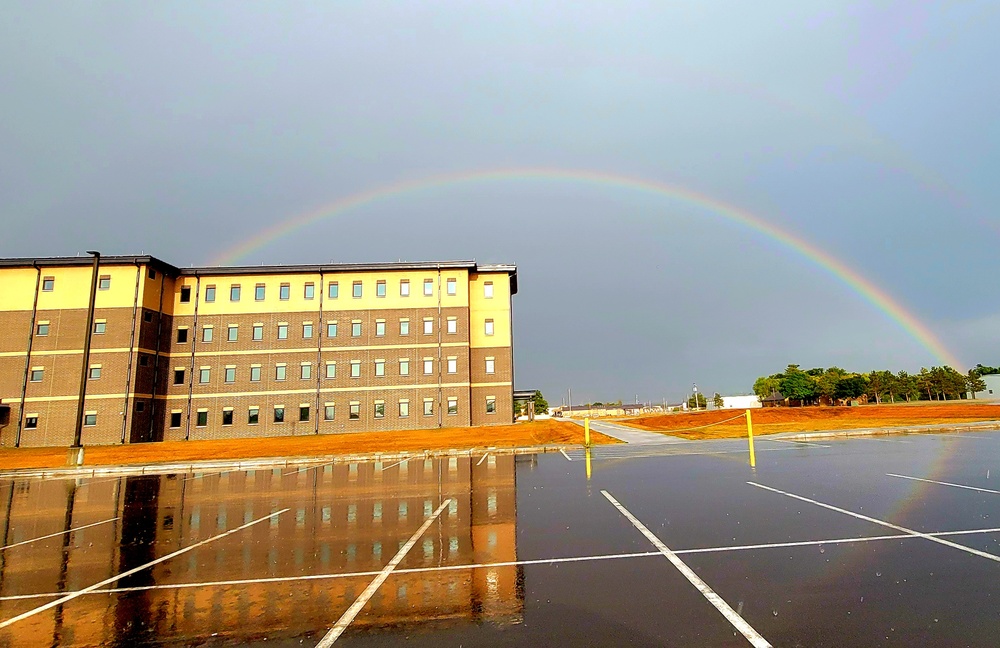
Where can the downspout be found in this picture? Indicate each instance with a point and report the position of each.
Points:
(156, 361)
(440, 369)
(27, 357)
(194, 342)
(320, 331)
(131, 351)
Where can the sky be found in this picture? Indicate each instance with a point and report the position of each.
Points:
(869, 131)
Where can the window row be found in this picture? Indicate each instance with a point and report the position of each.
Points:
(103, 283)
(305, 370)
(281, 414)
(332, 290)
(257, 330)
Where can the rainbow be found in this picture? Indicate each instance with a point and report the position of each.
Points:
(838, 269)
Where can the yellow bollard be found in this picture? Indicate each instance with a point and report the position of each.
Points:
(586, 432)
(587, 450)
(753, 459)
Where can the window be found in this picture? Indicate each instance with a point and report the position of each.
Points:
(147, 316)
(490, 365)
(309, 291)
(279, 413)
(253, 415)
(355, 368)
(279, 371)
(305, 370)
(489, 327)
(100, 327)
(37, 373)
(206, 333)
(90, 419)
(404, 408)
(380, 288)
(331, 329)
(104, 282)
(333, 290)
(488, 290)
(303, 412)
(227, 416)
(204, 375)
(404, 327)
(307, 330)
(140, 407)
(453, 405)
(329, 411)
(428, 326)
(428, 287)
(258, 332)
(95, 372)
(185, 294)
(428, 406)
(234, 292)
(404, 367)
(233, 332)
(357, 289)
(355, 411)
(143, 360)
(452, 365)
(31, 421)
(175, 419)
(452, 325)
(210, 293)
(255, 373)
(182, 335)
(49, 284)
(428, 366)
(491, 404)
(331, 369)
(178, 376)
(380, 367)
(404, 287)
(452, 285)
(284, 291)
(282, 331)
(230, 374)
(379, 328)
(152, 273)
(379, 409)
(356, 328)
(202, 418)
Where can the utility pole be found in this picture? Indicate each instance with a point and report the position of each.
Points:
(75, 455)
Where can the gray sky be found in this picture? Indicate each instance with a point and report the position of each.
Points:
(869, 129)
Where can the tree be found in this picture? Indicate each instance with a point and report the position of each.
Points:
(766, 385)
(985, 370)
(974, 382)
(880, 382)
(701, 402)
(907, 385)
(851, 387)
(797, 384)
(826, 384)
(719, 403)
(541, 405)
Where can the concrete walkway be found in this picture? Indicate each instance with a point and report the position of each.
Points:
(628, 434)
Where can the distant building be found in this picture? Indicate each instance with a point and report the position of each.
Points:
(992, 391)
(750, 401)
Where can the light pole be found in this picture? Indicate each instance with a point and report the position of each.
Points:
(75, 455)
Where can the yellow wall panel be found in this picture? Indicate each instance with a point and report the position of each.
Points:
(496, 308)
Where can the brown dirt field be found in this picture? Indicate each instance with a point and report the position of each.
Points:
(773, 420)
(504, 436)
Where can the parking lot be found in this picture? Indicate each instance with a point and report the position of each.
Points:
(888, 541)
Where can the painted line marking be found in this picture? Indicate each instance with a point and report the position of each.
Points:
(808, 443)
(53, 535)
(738, 622)
(931, 481)
(644, 455)
(108, 581)
(564, 454)
(926, 536)
(362, 600)
(295, 472)
(512, 563)
(483, 458)
(401, 461)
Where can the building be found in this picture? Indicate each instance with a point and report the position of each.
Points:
(230, 352)
(992, 391)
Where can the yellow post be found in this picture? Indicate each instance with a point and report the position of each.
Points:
(753, 459)
(587, 450)
(586, 431)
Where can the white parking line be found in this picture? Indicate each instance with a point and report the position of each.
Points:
(295, 472)
(483, 458)
(53, 535)
(926, 536)
(564, 454)
(931, 481)
(808, 443)
(108, 581)
(738, 622)
(348, 616)
(401, 461)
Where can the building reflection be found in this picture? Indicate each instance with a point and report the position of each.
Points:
(270, 580)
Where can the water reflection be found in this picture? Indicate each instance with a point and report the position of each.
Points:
(281, 578)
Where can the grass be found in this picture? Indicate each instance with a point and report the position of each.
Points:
(501, 436)
(813, 419)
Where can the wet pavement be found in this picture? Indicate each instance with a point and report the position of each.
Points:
(887, 541)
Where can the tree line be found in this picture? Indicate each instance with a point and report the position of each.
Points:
(811, 386)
